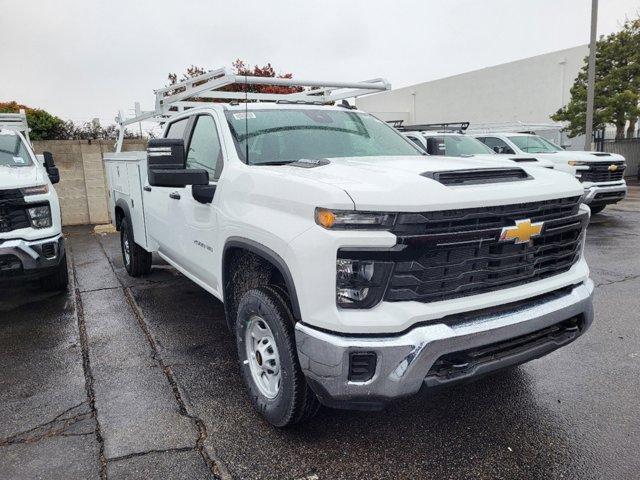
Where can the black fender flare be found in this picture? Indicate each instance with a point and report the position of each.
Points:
(121, 203)
(272, 257)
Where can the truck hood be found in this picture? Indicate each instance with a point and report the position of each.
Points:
(20, 177)
(396, 183)
(565, 155)
(515, 159)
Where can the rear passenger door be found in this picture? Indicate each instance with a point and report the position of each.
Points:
(497, 145)
(198, 221)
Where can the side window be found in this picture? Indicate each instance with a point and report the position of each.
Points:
(176, 129)
(205, 150)
(497, 145)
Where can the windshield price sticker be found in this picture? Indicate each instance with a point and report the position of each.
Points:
(19, 160)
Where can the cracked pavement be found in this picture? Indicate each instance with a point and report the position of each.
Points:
(138, 378)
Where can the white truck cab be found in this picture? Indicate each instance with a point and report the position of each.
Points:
(354, 270)
(458, 144)
(601, 173)
(31, 241)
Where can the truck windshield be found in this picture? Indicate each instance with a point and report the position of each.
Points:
(13, 153)
(288, 135)
(456, 146)
(533, 144)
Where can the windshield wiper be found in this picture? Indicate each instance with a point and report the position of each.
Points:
(274, 162)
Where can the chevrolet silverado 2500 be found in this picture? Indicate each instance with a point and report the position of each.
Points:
(601, 173)
(31, 242)
(353, 269)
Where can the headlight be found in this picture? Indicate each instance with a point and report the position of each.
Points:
(347, 219)
(40, 216)
(360, 283)
(575, 163)
(37, 190)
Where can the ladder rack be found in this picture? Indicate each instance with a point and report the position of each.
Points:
(207, 87)
(16, 122)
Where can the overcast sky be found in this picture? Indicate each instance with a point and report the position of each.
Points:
(82, 59)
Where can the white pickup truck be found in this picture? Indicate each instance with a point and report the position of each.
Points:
(601, 173)
(354, 270)
(31, 242)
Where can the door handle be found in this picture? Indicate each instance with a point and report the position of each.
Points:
(174, 195)
(146, 188)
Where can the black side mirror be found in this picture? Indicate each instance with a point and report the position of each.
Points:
(50, 167)
(203, 193)
(166, 163)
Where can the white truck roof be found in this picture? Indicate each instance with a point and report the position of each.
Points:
(15, 122)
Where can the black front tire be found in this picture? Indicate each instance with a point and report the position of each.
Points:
(59, 280)
(596, 210)
(136, 259)
(295, 402)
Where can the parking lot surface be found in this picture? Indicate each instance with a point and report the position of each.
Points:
(138, 378)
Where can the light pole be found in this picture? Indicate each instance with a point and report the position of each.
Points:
(591, 75)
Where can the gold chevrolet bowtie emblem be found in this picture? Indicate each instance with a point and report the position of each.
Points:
(613, 167)
(522, 232)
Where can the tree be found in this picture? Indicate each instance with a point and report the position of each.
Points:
(239, 68)
(42, 125)
(617, 85)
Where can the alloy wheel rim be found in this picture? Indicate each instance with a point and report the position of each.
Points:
(125, 248)
(263, 357)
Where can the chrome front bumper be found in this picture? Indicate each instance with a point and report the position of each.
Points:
(605, 194)
(404, 362)
(35, 256)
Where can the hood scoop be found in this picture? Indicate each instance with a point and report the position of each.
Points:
(478, 176)
(528, 159)
(601, 154)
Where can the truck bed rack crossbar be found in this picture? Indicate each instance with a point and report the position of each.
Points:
(430, 127)
(16, 122)
(196, 91)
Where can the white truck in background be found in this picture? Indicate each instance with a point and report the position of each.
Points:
(601, 173)
(450, 140)
(31, 240)
(354, 270)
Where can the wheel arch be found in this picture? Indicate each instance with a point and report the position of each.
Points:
(267, 255)
(121, 210)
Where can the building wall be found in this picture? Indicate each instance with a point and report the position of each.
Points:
(527, 90)
(83, 187)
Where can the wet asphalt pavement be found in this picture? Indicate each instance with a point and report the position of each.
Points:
(137, 378)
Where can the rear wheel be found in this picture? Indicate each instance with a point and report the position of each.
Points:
(597, 209)
(59, 280)
(269, 360)
(136, 259)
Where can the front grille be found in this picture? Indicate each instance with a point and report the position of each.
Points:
(478, 176)
(451, 254)
(13, 214)
(599, 172)
(461, 363)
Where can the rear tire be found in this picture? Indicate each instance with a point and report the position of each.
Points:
(136, 259)
(597, 210)
(59, 280)
(269, 359)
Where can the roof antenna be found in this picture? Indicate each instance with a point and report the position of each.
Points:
(246, 119)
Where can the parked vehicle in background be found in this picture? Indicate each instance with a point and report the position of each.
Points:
(31, 242)
(353, 269)
(449, 140)
(601, 173)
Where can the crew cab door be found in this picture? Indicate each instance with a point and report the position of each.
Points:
(197, 222)
(162, 212)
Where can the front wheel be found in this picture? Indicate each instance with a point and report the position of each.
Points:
(269, 360)
(59, 280)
